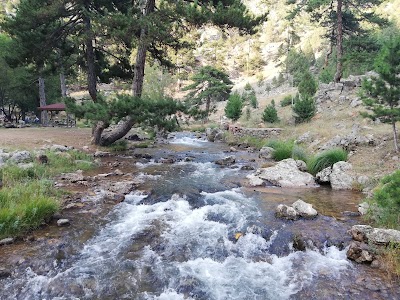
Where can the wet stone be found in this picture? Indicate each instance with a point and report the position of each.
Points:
(6, 241)
(63, 222)
(4, 273)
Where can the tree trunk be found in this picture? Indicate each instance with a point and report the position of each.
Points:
(339, 42)
(42, 101)
(137, 85)
(208, 103)
(396, 141)
(63, 83)
(90, 60)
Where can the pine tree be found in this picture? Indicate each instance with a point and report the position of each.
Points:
(270, 114)
(381, 94)
(307, 86)
(304, 108)
(233, 108)
(209, 85)
(341, 18)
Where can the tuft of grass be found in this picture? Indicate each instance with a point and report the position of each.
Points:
(142, 145)
(326, 159)
(299, 153)
(391, 259)
(118, 146)
(26, 206)
(283, 149)
(252, 141)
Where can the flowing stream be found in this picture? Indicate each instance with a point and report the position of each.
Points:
(193, 230)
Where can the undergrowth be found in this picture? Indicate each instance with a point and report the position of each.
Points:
(28, 197)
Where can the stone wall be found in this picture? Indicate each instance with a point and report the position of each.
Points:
(255, 132)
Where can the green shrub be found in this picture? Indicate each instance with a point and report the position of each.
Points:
(286, 101)
(233, 108)
(248, 113)
(387, 200)
(304, 109)
(270, 115)
(326, 159)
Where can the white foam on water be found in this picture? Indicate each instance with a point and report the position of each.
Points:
(152, 162)
(190, 141)
(195, 251)
(145, 176)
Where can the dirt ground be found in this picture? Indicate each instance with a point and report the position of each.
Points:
(35, 138)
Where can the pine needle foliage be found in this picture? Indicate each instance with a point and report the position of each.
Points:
(270, 114)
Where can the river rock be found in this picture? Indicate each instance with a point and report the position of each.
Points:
(6, 241)
(226, 161)
(377, 236)
(122, 187)
(63, 222)
(286, 212)
(4, 273)
(255, 180)
(214, 134)
(304, 209)
(286, 174)
(21, 157)
(360, 252)
(266, 152)
(101, 154)
(363, 208)
(340, 176)
(73, 177)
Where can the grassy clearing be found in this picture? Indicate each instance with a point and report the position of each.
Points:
(118, 146)
(28, 198)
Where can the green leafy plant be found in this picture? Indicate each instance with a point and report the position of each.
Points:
(326, 159)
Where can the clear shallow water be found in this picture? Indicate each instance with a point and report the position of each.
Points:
(193, 234)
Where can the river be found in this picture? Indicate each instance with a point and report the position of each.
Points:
(194, 230)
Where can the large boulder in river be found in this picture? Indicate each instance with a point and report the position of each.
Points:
(340, 176)
(377, 236)
(286, 173)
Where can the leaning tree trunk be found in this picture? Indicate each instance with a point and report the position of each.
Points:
(42, 101)
(339, 42)
(137, 85)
